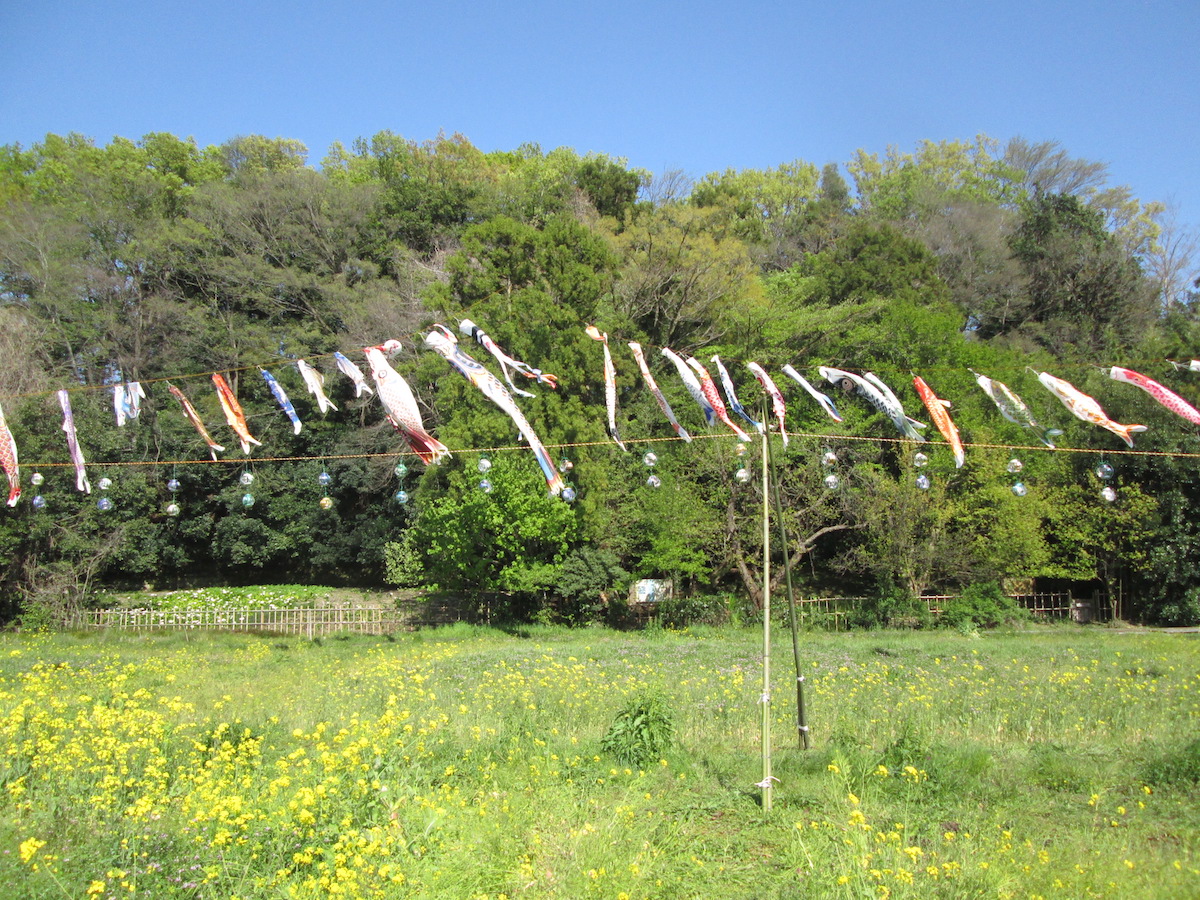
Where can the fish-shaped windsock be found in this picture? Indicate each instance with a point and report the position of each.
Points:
(400, 404)
(1193, 366)
(657, 392)
(777, 404)
(878, 395)
(442, 340)
(68, 425)
(315, 382)
(233, 413)
(692, 384)
(610, 384)
(1014, 409)
(353, 372)
(194, 417)
(127, 401)
(483, 339)
(709, 387)
(731, 394)
(822, 399)
(282, 399)
(8, 455)
(939, 412)
(1086, 408)
(1167, 398)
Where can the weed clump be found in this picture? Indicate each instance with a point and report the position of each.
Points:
(642, 730)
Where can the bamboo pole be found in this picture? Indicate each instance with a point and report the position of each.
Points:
(801, 718)
(768, 778)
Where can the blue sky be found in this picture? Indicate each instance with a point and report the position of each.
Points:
(698, 87)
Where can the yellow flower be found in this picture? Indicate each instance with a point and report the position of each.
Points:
(96, 887)
(29, 849)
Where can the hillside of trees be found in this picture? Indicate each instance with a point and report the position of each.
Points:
(159, 261)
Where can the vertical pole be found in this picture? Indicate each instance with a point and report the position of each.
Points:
(766, 691)
(801, 718)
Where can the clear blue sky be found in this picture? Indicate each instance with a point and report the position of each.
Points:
(699, 86)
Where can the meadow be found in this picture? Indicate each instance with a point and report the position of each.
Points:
(466, 762)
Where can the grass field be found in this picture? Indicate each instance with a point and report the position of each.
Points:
(470, 763)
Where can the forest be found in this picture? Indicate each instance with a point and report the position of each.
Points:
(162, 262)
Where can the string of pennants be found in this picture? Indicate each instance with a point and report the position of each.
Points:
(401, 409)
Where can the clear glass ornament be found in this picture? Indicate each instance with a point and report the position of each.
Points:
(742, 475)
(1019, 489)
(104, 504)
(1104, 471)
(173, 485)
(485, 486)
(172, 510)
(654, 481)
(247, 478)
(741, 449)
(324, 479)
(247, 500)
(37, 478)
(565, 466)
(832, 482)
(400, 497)
(104, 483)
(1108, 494)
(1014, 466)
(39, 502)
(569, 494)
(485, 465)
(920, 460)
(325, 503)
(829, 458)
(923, 481)
(401, 470)
(650, 459)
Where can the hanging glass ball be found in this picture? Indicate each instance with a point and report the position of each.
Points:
(485, 486)
(36, 478)
(104, 483)
(923, 481)
(742, 475)
(741, 449)
(829, 458)
(401, 470)
(172, 510)
(832, 482)
(1108, 494)
(247, 478)
(1014, 466)
(324, 479)
(325, 503)
(1104, 471)
(650, 459)
(654, 481)
(104, 504)
(565, 465)
(569, 494)
(173, 485)
(920, 460)
(39, 502)
(485, 465)
(400, 497)
(1019, 489)
(247, 500)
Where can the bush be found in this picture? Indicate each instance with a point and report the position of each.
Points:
(891, 606)
(642, 731)
(981, 606)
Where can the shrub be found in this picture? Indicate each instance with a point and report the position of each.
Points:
(981, 605)
(642, 731)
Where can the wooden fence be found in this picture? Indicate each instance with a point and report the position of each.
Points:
(309, 623)
(1041, 606)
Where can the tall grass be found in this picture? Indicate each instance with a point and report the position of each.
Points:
(469, 763)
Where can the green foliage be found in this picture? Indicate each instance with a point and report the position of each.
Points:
(586, 582)
(1177, 764)
(890, 606)
(642, 731)
(982, 605)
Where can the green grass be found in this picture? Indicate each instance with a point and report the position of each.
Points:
(469, 763)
